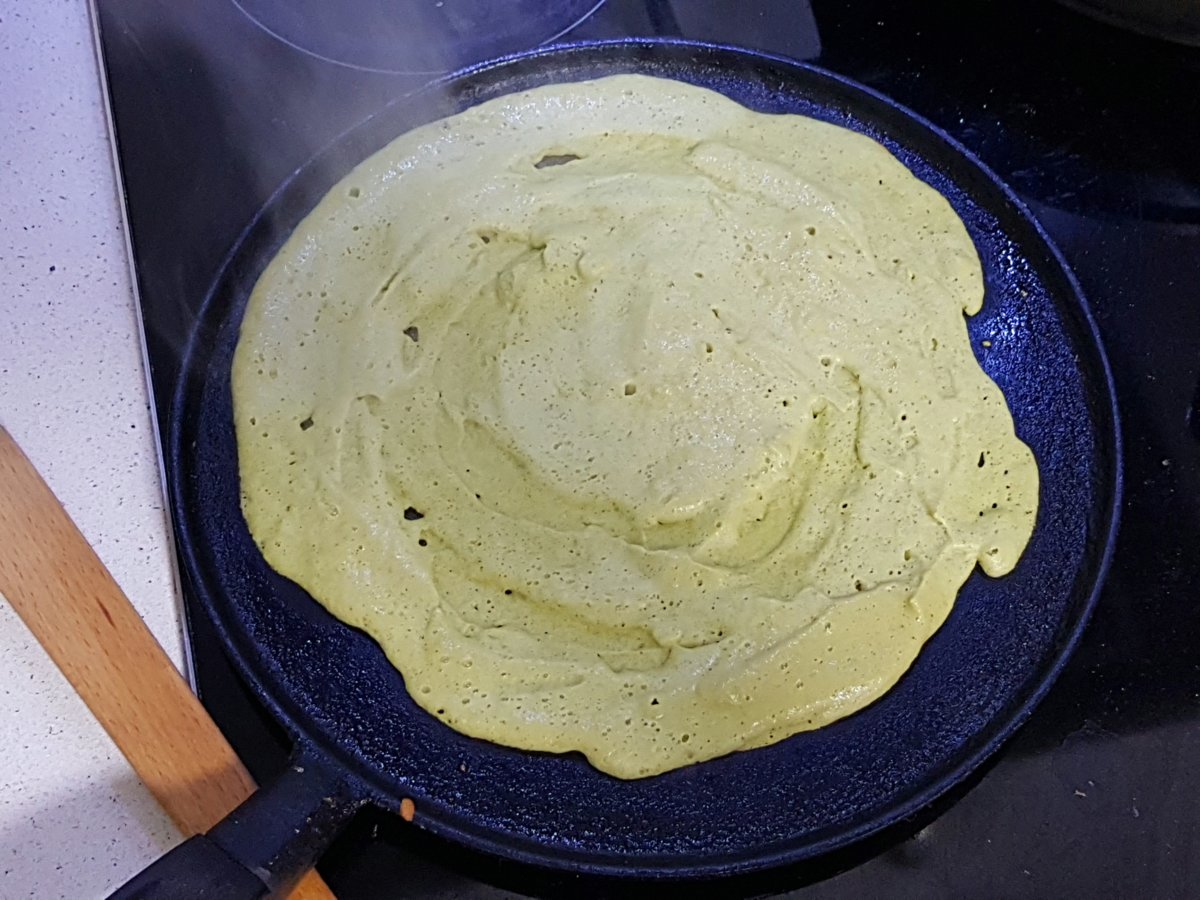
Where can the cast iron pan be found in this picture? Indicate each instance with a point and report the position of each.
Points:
(360, 739)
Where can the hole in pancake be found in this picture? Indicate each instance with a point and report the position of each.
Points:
(555, 159)
(412, 514)
(306, 424)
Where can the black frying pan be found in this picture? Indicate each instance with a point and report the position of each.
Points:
(360, 739)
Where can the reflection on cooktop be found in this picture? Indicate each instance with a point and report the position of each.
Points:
(415, 36)
(1070, 113)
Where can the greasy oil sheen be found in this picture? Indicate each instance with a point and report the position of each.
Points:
(630, 421)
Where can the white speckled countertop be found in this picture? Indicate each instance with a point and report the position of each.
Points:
(74, 820)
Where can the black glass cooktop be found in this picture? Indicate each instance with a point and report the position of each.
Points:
(214, 103)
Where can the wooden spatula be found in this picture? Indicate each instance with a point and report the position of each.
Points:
(68, 599)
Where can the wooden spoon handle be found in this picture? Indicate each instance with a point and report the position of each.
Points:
(81, 617)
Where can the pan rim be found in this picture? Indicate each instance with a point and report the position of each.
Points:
(283, 707)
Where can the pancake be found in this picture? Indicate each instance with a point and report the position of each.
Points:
(630, 421)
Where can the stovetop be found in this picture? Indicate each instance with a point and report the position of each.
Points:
(214, 103)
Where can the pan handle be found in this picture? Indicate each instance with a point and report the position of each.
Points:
(263, 847)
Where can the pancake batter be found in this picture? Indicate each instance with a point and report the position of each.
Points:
(630, 421)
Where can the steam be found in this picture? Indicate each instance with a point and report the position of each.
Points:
(415, 37)
(318, 69)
